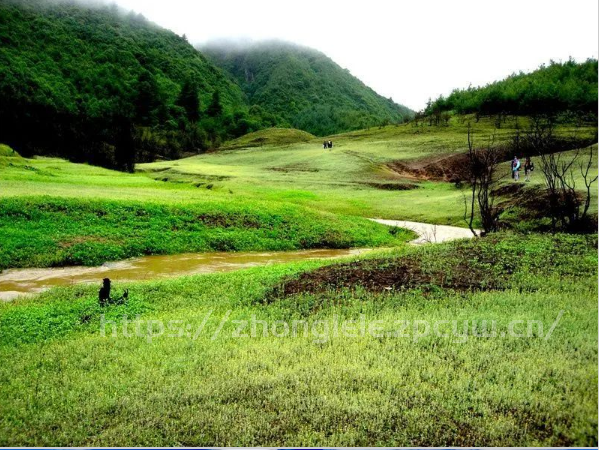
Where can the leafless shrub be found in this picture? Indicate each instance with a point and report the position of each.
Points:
(568, 206)
(483, 178)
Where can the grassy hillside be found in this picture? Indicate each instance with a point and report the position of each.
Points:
(303, 88)
(74, 214)
(5, 150)
(96, 83)
(359, 176)
(66, 384)
(270, 137)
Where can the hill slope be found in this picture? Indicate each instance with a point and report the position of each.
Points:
(304, 88)
(70, 75)
(270, 137)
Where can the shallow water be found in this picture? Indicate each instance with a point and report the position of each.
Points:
(16, 282)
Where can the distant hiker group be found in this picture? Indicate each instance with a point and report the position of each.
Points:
(327, 144)
(515, 165)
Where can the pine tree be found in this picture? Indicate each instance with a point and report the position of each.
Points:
(189, 100)
(215, 109)
(147, 102)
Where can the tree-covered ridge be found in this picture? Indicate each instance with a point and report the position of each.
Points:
(303, 88)
(552, 89)
(96, 84)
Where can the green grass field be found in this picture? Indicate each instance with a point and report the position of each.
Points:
(58, 213)
(63, 383)
(44, 231)
(275, 197)
(354, 177)
(339, 180)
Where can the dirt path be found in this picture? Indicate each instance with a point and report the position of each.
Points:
(428, 233)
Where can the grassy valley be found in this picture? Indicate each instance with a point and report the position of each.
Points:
(489, 341)
(77, 214)
(83, 387)
(287, 193)
(359, 176)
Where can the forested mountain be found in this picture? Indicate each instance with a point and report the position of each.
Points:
(303, 88)
(553, 89)
(94, 83)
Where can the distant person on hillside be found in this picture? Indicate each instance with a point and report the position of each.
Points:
(330, 143)
(516, 168)
(325, 145)
(529, 166)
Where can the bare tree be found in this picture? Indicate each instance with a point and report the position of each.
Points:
(482, 170)
(540, 134)
(568, 207)
(588, 179)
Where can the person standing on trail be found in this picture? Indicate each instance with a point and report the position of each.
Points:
(529, 166)
(330, 144)
(516, 168)
(325, 145)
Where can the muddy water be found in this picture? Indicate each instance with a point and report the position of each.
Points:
(15, 282)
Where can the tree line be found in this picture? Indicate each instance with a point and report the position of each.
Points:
(556, 89)
(99, 85)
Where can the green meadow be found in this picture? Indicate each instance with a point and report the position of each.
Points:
(65, 382)
(355, 177)
(183, 264)
(58, 213)
(45, 231)
(280, 196)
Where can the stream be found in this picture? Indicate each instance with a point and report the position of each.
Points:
(17, 282)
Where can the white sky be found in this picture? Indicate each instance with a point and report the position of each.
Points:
(408, 50)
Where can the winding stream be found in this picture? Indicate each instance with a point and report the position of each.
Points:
(16, 282)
